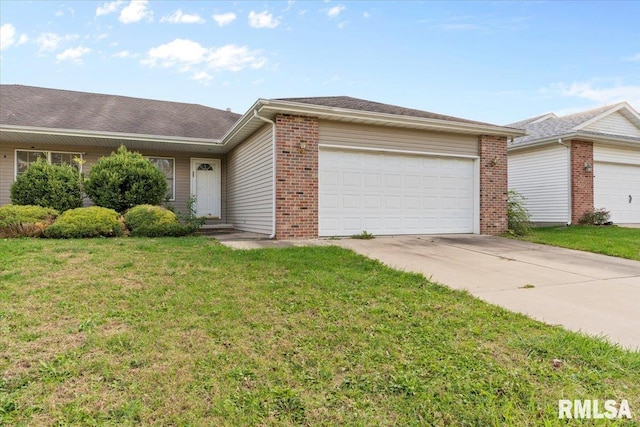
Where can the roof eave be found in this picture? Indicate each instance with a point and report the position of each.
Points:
(110, 135)
(335, 113)
(621, 140)
(613, 109)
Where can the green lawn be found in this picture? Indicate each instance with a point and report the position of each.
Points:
(610, 240)
(187, 332)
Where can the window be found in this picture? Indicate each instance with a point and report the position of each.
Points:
(166, 165)
(24, 158)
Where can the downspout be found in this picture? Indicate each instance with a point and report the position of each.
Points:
(273, 169)
(569, 183)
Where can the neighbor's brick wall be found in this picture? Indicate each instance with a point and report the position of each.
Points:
(581, 180)
(296, 177)
(493, 184)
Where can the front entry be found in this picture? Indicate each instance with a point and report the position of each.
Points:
(205, 186)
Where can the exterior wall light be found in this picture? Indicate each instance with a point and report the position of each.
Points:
(303, 146)
(588, 167)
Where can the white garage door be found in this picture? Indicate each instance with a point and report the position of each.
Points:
(616, 187)
(387, 194)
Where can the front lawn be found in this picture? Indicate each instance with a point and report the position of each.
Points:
(609, 240)
(187, 332)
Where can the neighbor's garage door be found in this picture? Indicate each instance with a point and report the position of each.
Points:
(384, 193)
(616, 187)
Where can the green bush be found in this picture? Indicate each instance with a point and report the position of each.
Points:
(25, 221)
(125, 179)
(595, 217)
(47, 185)
(519, 219)
(154, 221)
(93, 221)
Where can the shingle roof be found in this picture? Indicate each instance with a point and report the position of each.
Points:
(556, 126)
(64, 109)
(350, 103)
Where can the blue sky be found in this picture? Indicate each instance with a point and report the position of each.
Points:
(497, 62)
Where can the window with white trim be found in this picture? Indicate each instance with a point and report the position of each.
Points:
(166, 165)
(24, 159)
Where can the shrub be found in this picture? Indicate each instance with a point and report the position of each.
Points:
(47, 185)
(94, 221)
(190, 218)
(595, 217)
(25, 221)
(154, 221)
(517, 214)
(125, 179)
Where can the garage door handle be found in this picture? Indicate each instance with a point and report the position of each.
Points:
(630, 198)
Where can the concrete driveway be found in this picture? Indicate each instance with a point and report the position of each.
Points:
(595, 294)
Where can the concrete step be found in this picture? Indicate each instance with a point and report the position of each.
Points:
(212, 229)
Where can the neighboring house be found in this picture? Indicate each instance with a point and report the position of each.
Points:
(566, 166)
(291, 168)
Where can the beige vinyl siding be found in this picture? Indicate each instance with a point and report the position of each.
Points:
(614, 124)
(91, 156)
(607, 153)
(250, 183)
(542, 177)
(398, 139)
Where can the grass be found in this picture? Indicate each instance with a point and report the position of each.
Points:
(610, 240)
(187, 332)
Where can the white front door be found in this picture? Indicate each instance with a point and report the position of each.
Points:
(205, 186)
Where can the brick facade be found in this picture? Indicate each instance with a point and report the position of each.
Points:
(296, 177)
(493, 184)
(581, 179)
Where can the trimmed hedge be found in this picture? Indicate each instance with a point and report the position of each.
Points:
(47, 185)
(93, 221)
(125, 179)
(25, 220)
(155, 221)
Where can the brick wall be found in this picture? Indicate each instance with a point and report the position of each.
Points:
(493, 184)
(581, 179)
(296, 177)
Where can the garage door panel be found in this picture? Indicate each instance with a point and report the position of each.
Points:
(412, 202)
(372, 180)
(614, 183)
(386, 193)
(351, 201)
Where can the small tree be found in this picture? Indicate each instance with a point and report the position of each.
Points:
(125, 179)
(49, 186)
(519, 222)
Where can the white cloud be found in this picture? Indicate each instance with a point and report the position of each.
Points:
(224, 18)
(124, 54)
(179, 51)
(366, 15)
(7, 35)
(633, 58)
(51, 41)
(178, 17)
(342, 24)
(234, 58)
(263, 20)
(190, 56)
(109, 7)
(335, 11)
(135, 12)
(59, 13)
(73, 54)
(22, 40)
(201, 76)
(599, 95)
